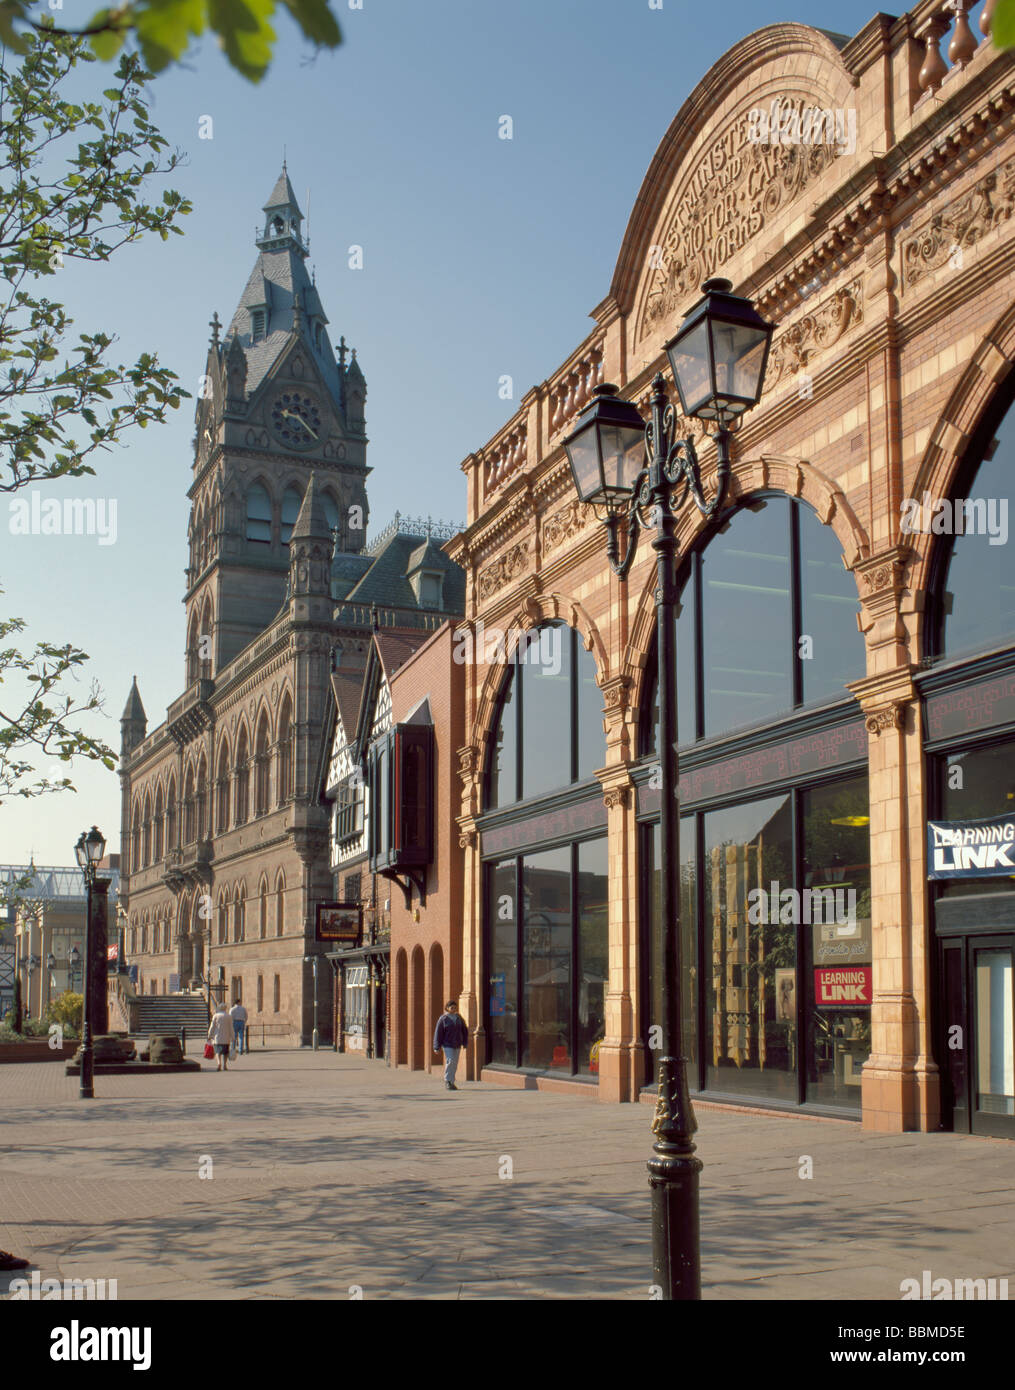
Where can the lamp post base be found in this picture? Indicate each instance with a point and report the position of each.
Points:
(673, 1178)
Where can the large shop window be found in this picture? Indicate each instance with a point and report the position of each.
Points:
(548, 953)
(549, 728)
(977, 784)
(767, 623)
(784, 940)
(977, 603)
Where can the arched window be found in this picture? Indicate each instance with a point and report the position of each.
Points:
(767, 623)
(238, 923)
(159, 823)
(205, 650)
(291, 501)
(222, 789)
(262, 909)
(132, 946)
(330, 510)
(285, 753)
(258, 515)
(146, 823)
(171, 815)
(262, 766)
(192, 648)
(976, 597)
(223, 923)
(202, 798)
(242, 776)
(189, 821)
(560, 740)
(280, 905)
(135, 840)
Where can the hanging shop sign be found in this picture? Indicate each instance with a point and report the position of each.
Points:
(340, 923)
(971, 848)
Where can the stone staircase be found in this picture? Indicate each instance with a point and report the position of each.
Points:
(168, 1013)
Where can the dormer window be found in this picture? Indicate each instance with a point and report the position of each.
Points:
(257, 325)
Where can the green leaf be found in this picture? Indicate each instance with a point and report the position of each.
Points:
(1002, 26)
(106, 45)
(316, 21)
(245, 34)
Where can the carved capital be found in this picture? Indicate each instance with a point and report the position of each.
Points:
(616, 796)
(892, 716)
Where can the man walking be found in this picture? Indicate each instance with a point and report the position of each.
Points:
(450, 1035)
(238, 1014)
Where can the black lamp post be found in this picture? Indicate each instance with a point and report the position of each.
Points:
(88, 851)
(622, 467)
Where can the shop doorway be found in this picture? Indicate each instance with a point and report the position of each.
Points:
(976, 938)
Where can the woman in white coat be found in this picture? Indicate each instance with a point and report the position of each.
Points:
(220, 1034)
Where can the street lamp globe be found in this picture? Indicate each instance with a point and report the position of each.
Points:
(606, 449)
(719, 356)
(95, 845)
(50, 962)
(74, 957)
(80, 853)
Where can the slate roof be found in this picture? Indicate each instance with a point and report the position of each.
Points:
(348, 687)
(279, 274)
(394, 647)
(312, 520)
(134, 709)
(385, 582)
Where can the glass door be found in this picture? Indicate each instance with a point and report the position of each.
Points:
(992, 1044)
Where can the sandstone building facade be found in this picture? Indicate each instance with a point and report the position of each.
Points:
(224, 833)
(846, 666)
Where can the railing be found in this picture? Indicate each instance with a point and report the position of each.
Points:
(935, 23)
(414, 526)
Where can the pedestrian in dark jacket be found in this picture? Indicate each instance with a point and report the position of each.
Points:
(450, 1036)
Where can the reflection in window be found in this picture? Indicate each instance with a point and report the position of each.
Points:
(752, 1043)
(552, 709)
(546, 945)
(836, 846)
(592, 963)
(739, 597)
(979, 597)
(977, 785)
(503, 964)
(258, 515)
(688, 941)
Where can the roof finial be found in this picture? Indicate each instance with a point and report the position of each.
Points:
(283, 159)
(214, 326)
(341, 352)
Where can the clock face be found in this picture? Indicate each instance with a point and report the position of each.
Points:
(295, 419)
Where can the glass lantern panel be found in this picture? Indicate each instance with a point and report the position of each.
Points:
(739, 354)
(623, 453)
(583, 455)
(692, 370)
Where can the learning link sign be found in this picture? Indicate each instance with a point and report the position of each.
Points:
(971, 848)
(846, 987)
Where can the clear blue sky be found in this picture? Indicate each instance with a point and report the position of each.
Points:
(482, 257)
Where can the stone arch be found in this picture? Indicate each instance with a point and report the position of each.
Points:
(400, 1041)
(770, 473)
(974, 395)
(280, 904)
(539, 608)
(418, 1044)
(437, 991)
(765, 63)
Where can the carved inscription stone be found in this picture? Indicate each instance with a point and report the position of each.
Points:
(735, 189)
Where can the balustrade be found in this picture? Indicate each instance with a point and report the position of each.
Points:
(951, 15)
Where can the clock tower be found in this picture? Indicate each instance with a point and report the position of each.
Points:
(275, 406)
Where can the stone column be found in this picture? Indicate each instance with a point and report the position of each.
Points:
(471, 999)
(621, 1053)
(901, 1084)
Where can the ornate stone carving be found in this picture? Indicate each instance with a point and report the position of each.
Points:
(824, 325)
(990, 202)
(568, 521)
(616, 796)
(884, 576)
(736, 187)
(467, 839)
(468, 761)
(891, 717)
(503, 570)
